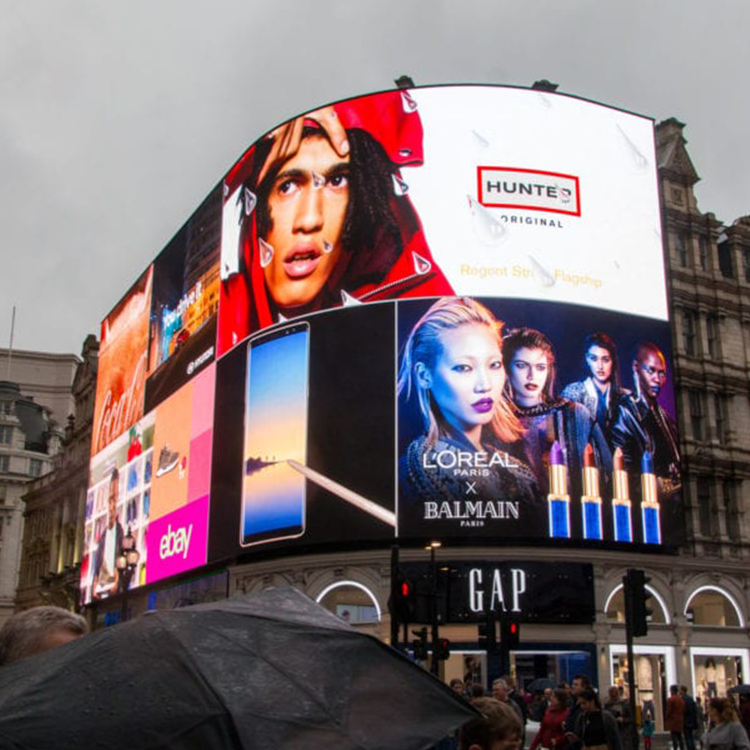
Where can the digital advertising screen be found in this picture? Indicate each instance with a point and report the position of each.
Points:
(442, 313)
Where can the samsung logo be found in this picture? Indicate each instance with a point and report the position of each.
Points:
(534, 190)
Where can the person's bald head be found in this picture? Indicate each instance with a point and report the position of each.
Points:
(38, 629)
(650, 369)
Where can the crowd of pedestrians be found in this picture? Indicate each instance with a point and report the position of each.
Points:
(571, 717)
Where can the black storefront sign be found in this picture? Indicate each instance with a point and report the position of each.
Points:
(533, 592)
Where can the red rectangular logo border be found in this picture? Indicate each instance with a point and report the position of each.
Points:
(529, 208)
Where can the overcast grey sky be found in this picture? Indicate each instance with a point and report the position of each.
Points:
(117, 118)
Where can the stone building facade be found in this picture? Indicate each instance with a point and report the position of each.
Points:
(29, 439)
(55, 503)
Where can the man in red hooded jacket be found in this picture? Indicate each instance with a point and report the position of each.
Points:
(325, 219)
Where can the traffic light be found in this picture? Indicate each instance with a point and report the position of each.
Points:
(635, 589)
(442, 649)
(487, 633)
(510, 635)
(403, 599)
(419, 646)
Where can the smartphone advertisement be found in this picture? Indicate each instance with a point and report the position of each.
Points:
(273, 490)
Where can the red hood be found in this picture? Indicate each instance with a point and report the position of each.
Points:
(393, 120)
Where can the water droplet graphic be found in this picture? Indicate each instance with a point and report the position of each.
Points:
(266, 252)
(250, 201)
(409, 104)
(348, 300)
(545, 278)
(545, 100)
(481, 140)
(318, 180)
(421, 265)
(486, 227)
(399, 186)
(405, 152)
(225, 190)
(639, 160)
(327, 247)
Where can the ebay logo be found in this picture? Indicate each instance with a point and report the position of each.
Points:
(178, 541)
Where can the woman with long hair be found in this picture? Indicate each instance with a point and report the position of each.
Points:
(726, 732)
(546, 418)
(596, 728)
(600, 391)
(452, 364)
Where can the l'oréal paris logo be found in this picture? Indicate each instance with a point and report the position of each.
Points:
(530, 189)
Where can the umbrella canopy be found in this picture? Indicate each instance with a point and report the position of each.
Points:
(270, 670)
(540, 684)
(740, 689)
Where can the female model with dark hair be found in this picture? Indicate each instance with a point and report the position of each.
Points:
(453, 364)
(530, 362)
(599, 392)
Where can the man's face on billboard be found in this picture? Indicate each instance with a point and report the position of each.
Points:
(652, 372)
(307, 204)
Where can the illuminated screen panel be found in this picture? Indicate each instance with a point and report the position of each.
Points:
(152, 483)
(475, 283)
(477, 190)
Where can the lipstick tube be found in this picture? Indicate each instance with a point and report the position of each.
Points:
(558, 500)
(621, 504)
(591, 502)
(650, 514)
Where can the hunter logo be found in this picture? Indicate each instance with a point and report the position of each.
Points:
(508, 187)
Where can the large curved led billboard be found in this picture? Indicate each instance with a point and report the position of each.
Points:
(429, 313)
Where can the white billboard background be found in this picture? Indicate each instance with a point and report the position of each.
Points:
(609, 257)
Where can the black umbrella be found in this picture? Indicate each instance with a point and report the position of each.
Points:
(540, 684)
(740, 689)
(270, 671)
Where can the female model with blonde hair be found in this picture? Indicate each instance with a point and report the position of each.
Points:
(452, 362)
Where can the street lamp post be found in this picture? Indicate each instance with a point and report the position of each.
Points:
(127, 562)
(434, 664)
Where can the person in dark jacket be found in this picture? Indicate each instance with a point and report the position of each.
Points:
(675, 718)
(596, 728)
(690, 724)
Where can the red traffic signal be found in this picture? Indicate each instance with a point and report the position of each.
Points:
(442, 649)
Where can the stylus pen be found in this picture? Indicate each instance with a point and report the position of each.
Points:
(368, 506)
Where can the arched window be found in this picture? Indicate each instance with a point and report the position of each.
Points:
(351, 601)
(710, 605)
(615, 606)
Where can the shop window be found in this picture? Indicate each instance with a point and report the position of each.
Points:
(351, 602)
(711, 606)
(716, 674)
(688, 333)
(615, 607)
